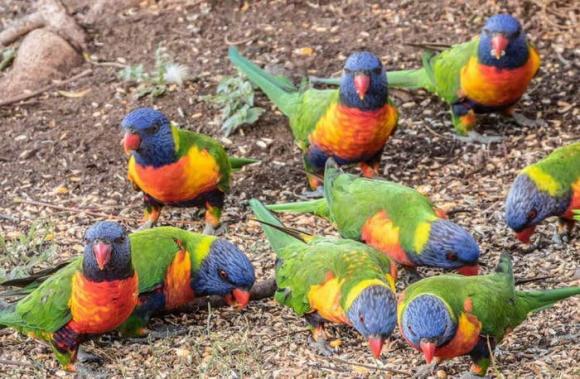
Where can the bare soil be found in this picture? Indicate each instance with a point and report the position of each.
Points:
(65, 151)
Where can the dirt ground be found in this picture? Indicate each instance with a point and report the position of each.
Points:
(65, 152)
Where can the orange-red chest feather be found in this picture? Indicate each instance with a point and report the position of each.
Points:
(351, 134)
(491, 86)
(382, 234)
(98, 307)
(184, 180)
(177, 287)
(575, 202)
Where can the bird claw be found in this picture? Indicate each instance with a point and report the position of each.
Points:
(316, 194)
(85, 357)
(470, 375)
(210, 230)
(146, 225)
(522, 120)
(475, 137)
(321, 346)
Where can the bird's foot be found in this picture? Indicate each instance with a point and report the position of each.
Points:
(316, 194)
(321, 346)
(425, 370)
(146, 225)
(522, 120)
(475, 137)
(211, 230)
(85, 357)
(471, 375)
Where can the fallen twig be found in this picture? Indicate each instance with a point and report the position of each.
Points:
(370, 367)
(40, 91)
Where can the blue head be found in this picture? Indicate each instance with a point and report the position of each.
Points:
(364, 84)
(148, 136)
(502, 43)
(450, 247)
(107, 253)
(373, 314)
(526, 206)
(226, 271)
(427, 324)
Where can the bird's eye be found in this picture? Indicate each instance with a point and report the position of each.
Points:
(451, 256)
(486, 31)
(223, 274)
(119, 239)
(410, 330)
(532, 214)
(153, 129)
(347, 71)
(378, 70)
(361, 317)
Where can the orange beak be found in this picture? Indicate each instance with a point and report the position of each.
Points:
(525, 235)
(376, 346)
(469, 270)
(102, 251)
(361, 84)
(428, 349)
(131, 141)
(498, 45)
(238, 298)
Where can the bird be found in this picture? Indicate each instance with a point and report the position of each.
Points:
(488, 74)
(332, 280)
(550, 187)
(92, 297)
(394, 219)
(448, 316)
(351, 124)
(176, 167)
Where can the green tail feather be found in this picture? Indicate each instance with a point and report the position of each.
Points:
(278, 89)
(411, 79)
(277, 238)
(237, 163)
(331, 172)
(534, 301)
(317, 207)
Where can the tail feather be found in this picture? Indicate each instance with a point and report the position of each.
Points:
(331, 172)
(275, 231)
(237, 163)
(410, 79)
(279, 90)
(534, 301)
(318, 207)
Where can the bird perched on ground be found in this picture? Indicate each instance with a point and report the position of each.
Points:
(92, 297)
(350, 125)
(448, 316)
(392, 218)
(332, 280)
(488, 74)
(176, 167)
(550, 187)
(175, 266)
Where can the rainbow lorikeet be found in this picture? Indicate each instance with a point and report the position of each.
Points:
(92, 297)
(448, 316)
(175, 266)
(332, 280)
(550, 187)
(488, 74)
(392, 218)
(176, 167)
(351, 124)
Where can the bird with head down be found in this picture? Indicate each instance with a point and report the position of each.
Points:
(332, 280)
(550, 187)
(351, 124)
(93, 296)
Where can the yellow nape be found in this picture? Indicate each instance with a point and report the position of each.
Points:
(543, 180)
(391, 281)
(325, 299)
(359, 287)
(175, 133)
(421, 238)
(201, 251)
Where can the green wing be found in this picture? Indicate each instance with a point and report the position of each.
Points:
(46, 308)
(353, 200)
(312, 105)
(185, 139)
(445, 69)
(564, 165)
(153, 250)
